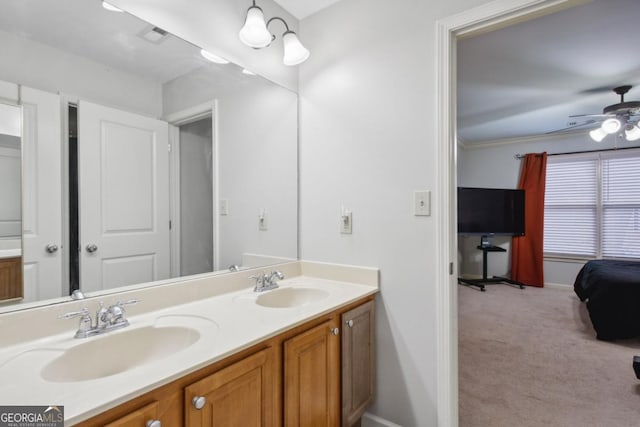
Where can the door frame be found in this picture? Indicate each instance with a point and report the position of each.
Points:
(488, 17)
(175, 120)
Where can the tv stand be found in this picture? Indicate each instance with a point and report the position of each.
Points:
(480, 283)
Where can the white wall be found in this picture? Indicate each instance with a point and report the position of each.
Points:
(493, 165)
(46, 68)
(367, 136)
(10, 187)
(214, 25)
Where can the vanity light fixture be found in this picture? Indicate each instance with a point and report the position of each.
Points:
(255, 34)
(111, 7)
(212, 57)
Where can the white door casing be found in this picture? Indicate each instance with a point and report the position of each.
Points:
(124, 197)
(42, 195)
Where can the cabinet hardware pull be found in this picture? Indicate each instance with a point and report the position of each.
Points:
(335, 331)
(349, 323)
(154, 423)
(198, 402)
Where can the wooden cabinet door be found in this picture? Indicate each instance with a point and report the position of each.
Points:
(138, 418)
(10, 278)
(357, 362)
(312, 378)
(240, 395)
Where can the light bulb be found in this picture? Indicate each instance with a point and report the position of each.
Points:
(110, 7)
(611, 126)
(294, 52)
(597, 134)
(254, 33)
(632, 133)
(213, 58)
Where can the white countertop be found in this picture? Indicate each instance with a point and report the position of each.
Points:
(227, 323)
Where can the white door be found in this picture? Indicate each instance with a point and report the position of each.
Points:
(42, 195)
(124, 197)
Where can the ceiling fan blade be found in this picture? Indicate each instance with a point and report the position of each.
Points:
(572, 127)
(600, 116)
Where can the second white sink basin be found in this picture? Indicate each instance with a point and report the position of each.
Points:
(116, 352)
(291, 297)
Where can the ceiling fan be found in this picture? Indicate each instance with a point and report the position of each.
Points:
(621, 119)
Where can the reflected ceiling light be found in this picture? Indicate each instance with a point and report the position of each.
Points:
(255, 34)
(212, 57)
(111, 7)
(632, 132)
(248, 72)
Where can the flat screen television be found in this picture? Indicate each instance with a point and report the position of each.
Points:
(490, 211)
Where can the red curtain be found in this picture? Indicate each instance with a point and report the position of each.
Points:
(527, 250)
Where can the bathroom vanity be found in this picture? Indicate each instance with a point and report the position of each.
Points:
(209, 351)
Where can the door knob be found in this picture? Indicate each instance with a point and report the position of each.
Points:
(199, 401)
(91, 248)
(154, 423)
(51, 248)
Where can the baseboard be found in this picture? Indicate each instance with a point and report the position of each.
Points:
(558, 286)
(370, 420)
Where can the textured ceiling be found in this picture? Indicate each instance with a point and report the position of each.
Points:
(529, 78)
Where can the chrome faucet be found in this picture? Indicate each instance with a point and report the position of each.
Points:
(265, 282)
(107, 319)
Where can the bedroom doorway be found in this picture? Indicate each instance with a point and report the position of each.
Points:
(472, 22)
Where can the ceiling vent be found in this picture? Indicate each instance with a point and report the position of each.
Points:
(153, 34)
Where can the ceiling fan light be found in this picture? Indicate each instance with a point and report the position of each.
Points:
(598, 134)
(254, 33)
(632, 133)
(294, 52)
(611, 126)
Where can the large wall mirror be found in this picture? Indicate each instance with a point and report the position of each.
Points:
(135, 160)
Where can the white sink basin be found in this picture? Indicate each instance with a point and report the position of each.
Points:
(291, 297)
(116, 352)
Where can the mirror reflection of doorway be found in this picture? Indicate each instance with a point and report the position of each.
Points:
(196, 197)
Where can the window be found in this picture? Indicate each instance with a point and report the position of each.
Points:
(592, 205)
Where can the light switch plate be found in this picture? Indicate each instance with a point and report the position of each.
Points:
(224, 207)
(262, 221)
(346, 220)
(422, 203)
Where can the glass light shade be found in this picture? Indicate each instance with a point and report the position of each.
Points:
(254, 33)
(294, 52)
(611, 126)
(110, 7)
(597, 134)
(633, 133)
(213, 58)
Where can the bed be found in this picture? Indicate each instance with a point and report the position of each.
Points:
(612, 292)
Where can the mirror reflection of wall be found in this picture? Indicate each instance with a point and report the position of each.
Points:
(119, 216)
(10, 202)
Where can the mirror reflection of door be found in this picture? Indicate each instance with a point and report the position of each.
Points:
(123, 189)
(10, 203)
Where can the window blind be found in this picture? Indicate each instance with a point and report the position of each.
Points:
(592, 206)
(570, 208)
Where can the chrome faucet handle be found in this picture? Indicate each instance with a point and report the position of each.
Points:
(260, 280)
(86, 323)
(115, 313)
(277, 274)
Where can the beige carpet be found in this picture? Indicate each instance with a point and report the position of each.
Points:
(530, 358)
